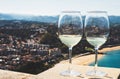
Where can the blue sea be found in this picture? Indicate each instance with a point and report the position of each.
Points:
(111, 59)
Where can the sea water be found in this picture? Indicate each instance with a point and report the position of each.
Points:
(110, 59)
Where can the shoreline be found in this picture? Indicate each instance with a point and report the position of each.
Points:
(87, 59)
(107, 49)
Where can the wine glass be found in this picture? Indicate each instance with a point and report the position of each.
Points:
(96, 31)
(70, 30)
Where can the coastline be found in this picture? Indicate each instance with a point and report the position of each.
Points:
(109, 49)
(87, 59)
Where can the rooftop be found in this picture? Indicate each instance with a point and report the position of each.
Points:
(54, 73)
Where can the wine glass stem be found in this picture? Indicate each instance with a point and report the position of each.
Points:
(70, 58)
(96, 58)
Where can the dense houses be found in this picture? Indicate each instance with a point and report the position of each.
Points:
(11, 58)
(18, 52)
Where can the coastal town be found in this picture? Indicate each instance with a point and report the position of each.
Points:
(60, 39)
(25, 43)
(16, 52)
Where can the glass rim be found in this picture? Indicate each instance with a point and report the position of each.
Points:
(71, 11)
(96, 11)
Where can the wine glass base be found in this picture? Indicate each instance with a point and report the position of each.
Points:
(96, 73)
(70, 73)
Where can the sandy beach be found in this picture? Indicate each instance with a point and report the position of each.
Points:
(87, 59)
(109, 49)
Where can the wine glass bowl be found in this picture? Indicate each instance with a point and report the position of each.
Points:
(70, 30)
(97, 28)
(96, 31)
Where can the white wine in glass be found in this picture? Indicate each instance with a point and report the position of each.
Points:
(97, 31)
(70, 30)
(70, 40)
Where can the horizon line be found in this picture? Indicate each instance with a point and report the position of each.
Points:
(27, 14)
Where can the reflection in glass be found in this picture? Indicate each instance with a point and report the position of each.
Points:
(70, 30)
(97, 31)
